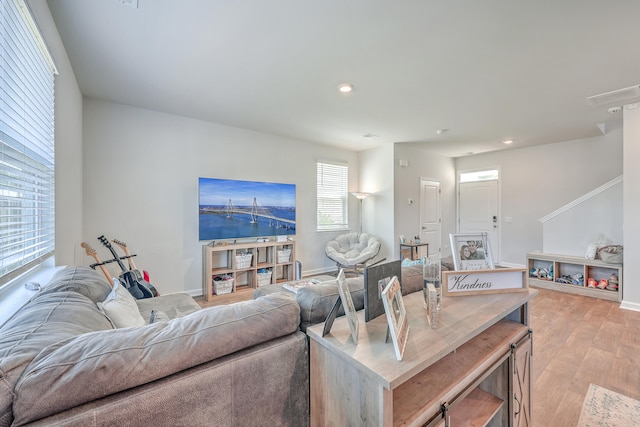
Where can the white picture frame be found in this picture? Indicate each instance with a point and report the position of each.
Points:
(347, 304)
(471, 251)
(396, 316)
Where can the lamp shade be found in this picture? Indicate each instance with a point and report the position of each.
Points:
(361, 196)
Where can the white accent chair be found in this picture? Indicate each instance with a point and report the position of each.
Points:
(355, 251)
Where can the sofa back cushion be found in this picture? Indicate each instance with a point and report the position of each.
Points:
(83, 280)
(90, 366)
(63, 309)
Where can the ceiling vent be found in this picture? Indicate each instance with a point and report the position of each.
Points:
(616, 96)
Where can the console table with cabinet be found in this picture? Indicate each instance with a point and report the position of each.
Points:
(474, 369)
(237, 267)
(562, 273)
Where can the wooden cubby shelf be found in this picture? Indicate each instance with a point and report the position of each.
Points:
(559, 272)
(246, 265)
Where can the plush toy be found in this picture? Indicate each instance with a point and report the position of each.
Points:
(603, 283)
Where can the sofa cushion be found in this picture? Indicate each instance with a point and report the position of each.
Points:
(49, 317)
(79, 279)
(121, 308)
(87, 367)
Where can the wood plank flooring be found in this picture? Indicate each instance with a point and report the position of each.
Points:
(580, 340)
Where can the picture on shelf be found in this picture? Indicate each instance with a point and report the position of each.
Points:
(471, 251)
(347, 304)
(376, 278)
(396, 316)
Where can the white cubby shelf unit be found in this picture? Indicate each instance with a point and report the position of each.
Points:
(563, 266)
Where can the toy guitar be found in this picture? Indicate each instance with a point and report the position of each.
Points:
(131, 280)
(92, 253)
(133, 268)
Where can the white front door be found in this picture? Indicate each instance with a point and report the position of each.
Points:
(478, 212)
(430, 223)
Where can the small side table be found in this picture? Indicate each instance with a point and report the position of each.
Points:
(413, 248)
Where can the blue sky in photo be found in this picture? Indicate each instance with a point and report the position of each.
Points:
(214, 191)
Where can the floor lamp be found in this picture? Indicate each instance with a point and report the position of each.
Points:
(361, 197)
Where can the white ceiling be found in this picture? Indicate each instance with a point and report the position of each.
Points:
(485, 70)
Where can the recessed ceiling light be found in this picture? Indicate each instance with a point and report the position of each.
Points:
(441, 131)
(130, 3)
(370, 135)
(345, 88)
(507, 142)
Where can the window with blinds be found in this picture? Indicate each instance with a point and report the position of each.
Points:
(332, 196)
(26, 143)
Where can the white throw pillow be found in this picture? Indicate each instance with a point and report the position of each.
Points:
(121, 308)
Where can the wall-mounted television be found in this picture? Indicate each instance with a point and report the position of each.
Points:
(234, 209)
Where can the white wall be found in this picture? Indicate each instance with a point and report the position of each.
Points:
(631, 225)
(376, 176)
(564, 233)
(68, 140)
(140, 185)
(431, 166)
(538, 180)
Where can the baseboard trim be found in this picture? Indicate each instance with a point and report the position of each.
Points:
(634, 306)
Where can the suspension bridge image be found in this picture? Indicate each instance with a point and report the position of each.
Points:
(254, 213)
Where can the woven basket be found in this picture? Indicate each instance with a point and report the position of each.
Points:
(222, 287)
(243, 260)
(284, 255)
(264, 278)
(611, 254)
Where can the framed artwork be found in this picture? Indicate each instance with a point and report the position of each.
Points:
(396, 316)
(347, 304)
(471, 251)
(376, 278)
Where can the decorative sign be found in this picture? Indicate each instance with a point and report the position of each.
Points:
(476, 282)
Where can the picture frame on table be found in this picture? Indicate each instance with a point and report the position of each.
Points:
(471, 251)
(396, 316)
(347, 304)
(376, 278)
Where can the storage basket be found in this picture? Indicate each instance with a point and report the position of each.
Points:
(611, 254)
(223, 286)
(284, 255)
(264, 278)
(243, 260)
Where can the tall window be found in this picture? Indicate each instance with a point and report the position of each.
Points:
(26, 143)
(332, 194)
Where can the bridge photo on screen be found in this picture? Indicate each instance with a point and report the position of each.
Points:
(234, 209)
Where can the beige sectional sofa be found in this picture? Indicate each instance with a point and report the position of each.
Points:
(62, 361)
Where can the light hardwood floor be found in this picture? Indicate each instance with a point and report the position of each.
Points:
(577, 341)
(580, 340)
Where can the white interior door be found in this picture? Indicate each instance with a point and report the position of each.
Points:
(430, 222)
(478, 212)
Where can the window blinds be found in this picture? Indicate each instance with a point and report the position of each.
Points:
(332, 194)
(27, 223)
